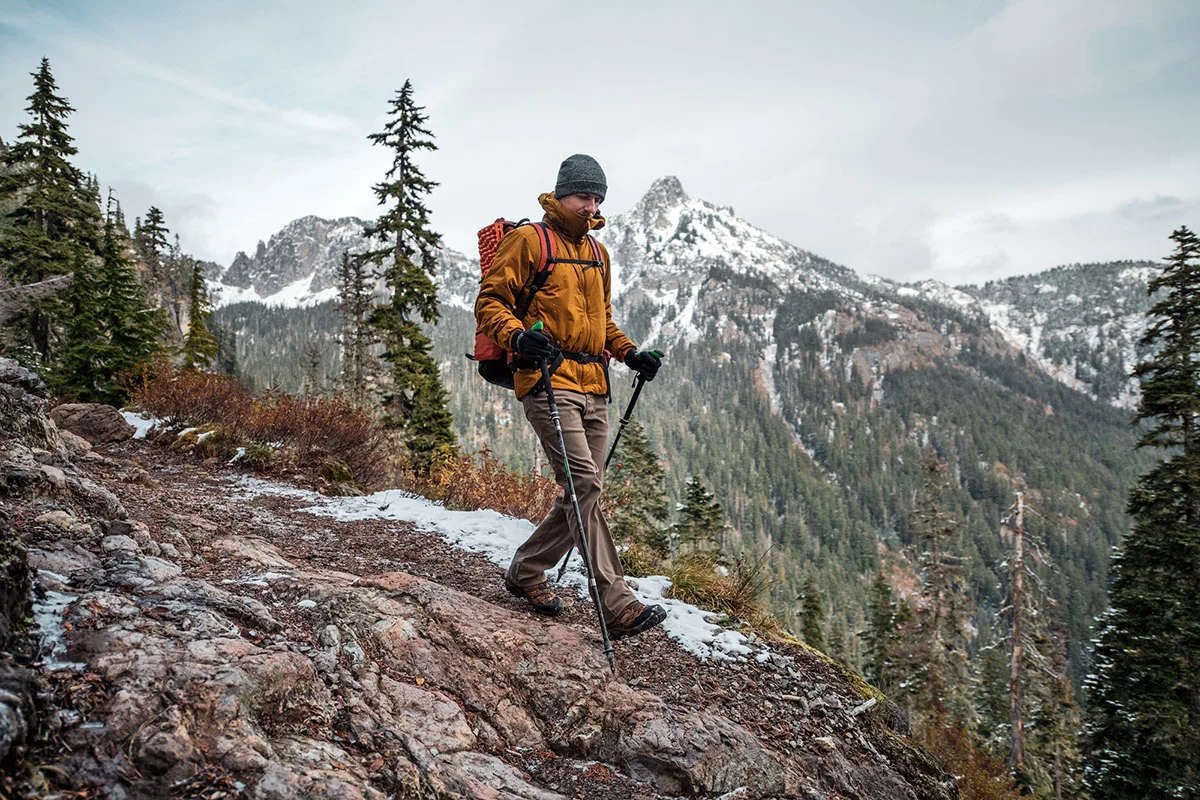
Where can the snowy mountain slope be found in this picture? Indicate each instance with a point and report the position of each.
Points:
(1080, 324)
(674, 255)
(298, 266)
(685, 268)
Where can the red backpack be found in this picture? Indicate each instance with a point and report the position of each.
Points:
(496, 365)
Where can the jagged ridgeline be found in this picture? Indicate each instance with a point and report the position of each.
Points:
(803, 394)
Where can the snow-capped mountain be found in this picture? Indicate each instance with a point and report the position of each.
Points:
(1080, 324)
(298, 267)
(673, 253)
(683, 266)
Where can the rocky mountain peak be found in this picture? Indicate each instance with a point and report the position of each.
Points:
(666, 192)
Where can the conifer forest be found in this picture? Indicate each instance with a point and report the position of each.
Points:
(1011, 557)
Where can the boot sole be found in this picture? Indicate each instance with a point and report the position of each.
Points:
(650, 618)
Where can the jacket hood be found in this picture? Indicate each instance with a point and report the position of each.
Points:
(569, 224)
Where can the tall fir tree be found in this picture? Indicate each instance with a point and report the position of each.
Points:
(634, 498)
(812, 614)
(355, 299)
(946, 688)
(880, 632)
(414, 398)
(1144, 722)
(84, 366)
(133, 327)
(199, 345)
(50, 230)
(701, 524)
(150, 236)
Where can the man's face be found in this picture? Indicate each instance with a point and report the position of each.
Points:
(585, 205)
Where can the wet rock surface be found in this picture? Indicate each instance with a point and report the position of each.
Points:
(211, 643)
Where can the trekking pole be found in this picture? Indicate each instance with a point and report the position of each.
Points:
(638, 382)
(593, 589)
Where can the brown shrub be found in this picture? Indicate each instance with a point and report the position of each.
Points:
(471, 482)
(978, 774)
(314, 430)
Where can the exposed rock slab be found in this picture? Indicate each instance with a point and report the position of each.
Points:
(96, 423)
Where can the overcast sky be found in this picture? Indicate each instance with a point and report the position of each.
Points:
(955, 139)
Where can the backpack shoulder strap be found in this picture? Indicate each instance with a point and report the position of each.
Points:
(547, 258)
(596, 252)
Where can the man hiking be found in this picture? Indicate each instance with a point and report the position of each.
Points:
(575, 312)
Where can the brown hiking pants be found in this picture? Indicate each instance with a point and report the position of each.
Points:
(584, 420)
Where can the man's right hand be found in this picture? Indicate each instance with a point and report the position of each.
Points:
(534, 346)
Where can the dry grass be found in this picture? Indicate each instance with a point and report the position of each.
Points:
(639, 559)
(736, 591)
(477, 481)
(305, 432)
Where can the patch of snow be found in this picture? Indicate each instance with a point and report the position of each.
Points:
(257, 580)
(141, 421)
(48, 616)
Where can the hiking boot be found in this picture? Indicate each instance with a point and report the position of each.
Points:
(635, 619)
(539, 596)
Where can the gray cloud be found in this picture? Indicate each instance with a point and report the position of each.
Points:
(1155, 209)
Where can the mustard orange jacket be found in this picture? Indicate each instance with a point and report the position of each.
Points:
(574, 306)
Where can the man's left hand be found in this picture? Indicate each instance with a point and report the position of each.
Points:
(644, 362)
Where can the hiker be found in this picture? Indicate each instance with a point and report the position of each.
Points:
(577, 328)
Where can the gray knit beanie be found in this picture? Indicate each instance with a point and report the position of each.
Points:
(580, 174)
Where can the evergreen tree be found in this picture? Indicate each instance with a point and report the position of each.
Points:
(134, 329)
(634, 499)
(993, 700)
(355, 298)
(50, 228)
(701, 524)
(1145, 694)
(414, 399)
(199, 345)
(312, 370)
(152, 243)
(1054, 761)
(226, 338)
(812, 614)
(84, 367)
(881, 631)
(946, 687)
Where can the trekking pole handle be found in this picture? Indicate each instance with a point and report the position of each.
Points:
(638, 376)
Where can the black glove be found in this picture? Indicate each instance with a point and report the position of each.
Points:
(644, 362)
(534, 346)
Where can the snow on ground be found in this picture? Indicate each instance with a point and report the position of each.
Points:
(141, 421)
(48, 616)
(497, 536)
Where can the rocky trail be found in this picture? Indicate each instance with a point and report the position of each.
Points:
(201, 640)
